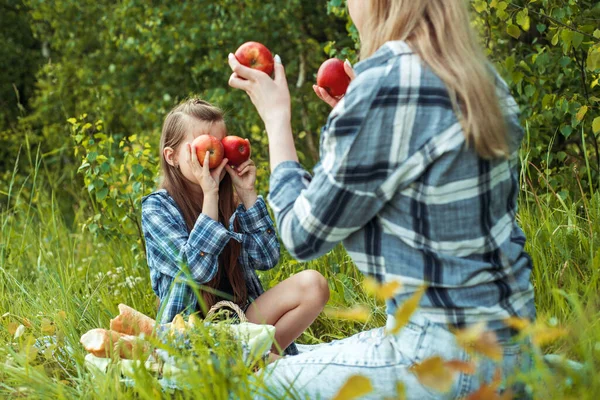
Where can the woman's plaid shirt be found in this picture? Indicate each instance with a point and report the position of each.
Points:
(398, 185)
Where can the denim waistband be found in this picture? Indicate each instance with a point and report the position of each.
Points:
(420, 320)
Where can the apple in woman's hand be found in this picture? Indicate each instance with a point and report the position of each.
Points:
(204, 143)
(333, 78)
(237, 149)
(256, 55)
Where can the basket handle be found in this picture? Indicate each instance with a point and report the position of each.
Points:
(227, 304)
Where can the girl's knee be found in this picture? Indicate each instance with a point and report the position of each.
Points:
(313, 284)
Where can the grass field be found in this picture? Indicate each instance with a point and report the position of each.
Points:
(61, 281)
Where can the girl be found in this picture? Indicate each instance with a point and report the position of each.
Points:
(197, 235)
(418, 176)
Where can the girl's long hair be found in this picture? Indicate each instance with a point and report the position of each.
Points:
(173, 133)
(440, 32)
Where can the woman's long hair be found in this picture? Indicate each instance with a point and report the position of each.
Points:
(440, 32)
(173, 133)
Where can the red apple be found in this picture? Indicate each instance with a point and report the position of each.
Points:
(204, 143)
(333, 78)
(255, 55)
(237, 150)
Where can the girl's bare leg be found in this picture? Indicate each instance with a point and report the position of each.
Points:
(291, 306)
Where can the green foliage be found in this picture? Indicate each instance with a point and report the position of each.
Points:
(346, 47)
(116, 177)
(548, 52)
(20, 57)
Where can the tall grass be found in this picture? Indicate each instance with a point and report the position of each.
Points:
(57, 280)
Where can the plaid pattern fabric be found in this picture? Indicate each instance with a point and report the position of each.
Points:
(174, 255)
(409, 199)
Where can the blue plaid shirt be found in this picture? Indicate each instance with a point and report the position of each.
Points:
(170, 248)
(398, 185)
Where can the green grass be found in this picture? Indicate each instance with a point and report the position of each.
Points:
(47, 267)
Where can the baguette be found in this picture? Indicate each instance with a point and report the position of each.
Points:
(106, 343)
(132, 322)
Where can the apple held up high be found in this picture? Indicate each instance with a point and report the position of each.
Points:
(209, 143)
(256, 55)
(333, 78)
(237, 149)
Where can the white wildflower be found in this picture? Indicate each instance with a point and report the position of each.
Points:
(20, 330)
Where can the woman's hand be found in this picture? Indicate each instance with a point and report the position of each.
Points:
(207, 179)
(244, 179)
(325, 96)
(271, 97)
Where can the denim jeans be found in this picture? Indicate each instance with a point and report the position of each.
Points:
(385, 360)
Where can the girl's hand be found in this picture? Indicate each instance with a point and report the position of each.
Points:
(244, 179)
(207, 179)
(244, 176)
(271, 97)
(325, 96)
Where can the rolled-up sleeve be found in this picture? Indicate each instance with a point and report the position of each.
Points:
(315, 213)
(172, 250)
(260, 245)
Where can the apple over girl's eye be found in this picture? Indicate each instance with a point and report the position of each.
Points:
(237, 149)
(204, 143)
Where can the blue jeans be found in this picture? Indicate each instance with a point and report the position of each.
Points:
(385, 360)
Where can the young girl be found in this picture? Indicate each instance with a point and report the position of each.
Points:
(197, 235)
(418, 177)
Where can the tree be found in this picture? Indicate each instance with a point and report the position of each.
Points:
(20, 57)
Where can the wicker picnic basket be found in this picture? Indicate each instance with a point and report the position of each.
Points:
(223, 305)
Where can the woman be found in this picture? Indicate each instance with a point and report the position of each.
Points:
(418, 177)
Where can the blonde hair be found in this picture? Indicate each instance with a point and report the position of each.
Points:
(174, 131)
(440, 32)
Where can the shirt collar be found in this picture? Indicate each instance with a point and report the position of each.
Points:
(383, 54)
